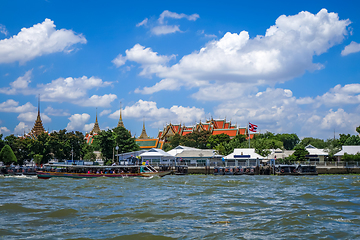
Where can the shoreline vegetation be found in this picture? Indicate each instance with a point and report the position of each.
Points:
(63, 145)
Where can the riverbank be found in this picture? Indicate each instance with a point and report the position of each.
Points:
(320, 169)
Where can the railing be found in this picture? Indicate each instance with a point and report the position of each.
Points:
(339, 164)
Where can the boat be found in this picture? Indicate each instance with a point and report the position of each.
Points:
(219, 171)
(93, 171)
(295, 170)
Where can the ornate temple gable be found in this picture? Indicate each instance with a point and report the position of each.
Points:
(120, 123)
(38, 126)
(96, 128)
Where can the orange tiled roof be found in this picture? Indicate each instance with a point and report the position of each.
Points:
(230, 132)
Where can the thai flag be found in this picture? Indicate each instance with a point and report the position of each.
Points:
(252, 127)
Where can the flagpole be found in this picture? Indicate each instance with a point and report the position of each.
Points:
(249, 133)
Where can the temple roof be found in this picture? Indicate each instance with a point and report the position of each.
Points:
(120, 123)
(38, 126)
(96, 128)
(143, 134)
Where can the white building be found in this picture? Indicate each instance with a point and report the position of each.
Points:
(348, 150)
(157, 156)
(195, 156)
(243, 157)
(315, 154)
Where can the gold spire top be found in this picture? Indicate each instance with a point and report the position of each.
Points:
(143, 132)
(38, 127)
(120, 123)
(96, 128)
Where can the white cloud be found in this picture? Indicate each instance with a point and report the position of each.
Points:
(3, 30)
(38, 40)
(78, 122)
(165, 29)
(98, 101)
(74, 90)
(168, 14)
(160, 116)
(337, 96)
(353, 47)
(12, 106)
(56, 112)
(286, 51)
(143, 22)
(150, 61)
(31, 117)
(161, 27)
(21, 128)
(4, 130)
(105, 112)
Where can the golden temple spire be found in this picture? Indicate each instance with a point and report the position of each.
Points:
(143, 134)
(96, 128)
(38, 127)
(120, 123)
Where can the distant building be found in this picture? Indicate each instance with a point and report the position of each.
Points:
(194, 156)
(147, 143)
(315, 154)
(243, 157)
(348, 150)
(89, 137)
(215, 127)
(38, 126)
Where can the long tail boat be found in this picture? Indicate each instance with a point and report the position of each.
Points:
(93, 171)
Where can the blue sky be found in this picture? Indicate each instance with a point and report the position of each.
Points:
(289, 68)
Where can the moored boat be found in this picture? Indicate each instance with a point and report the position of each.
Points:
(295, 170)
(93, 171)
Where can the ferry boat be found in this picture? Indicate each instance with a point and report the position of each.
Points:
(93, 171)
(295, 170)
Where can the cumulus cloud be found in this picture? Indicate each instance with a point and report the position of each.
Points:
(150, 61)
(105, 112)
(337, 96)
(160, 116)
(40, 39)
(168, 14)
(353, 47)
(21, 128)
(56, 112)
(11, 105)
(20, 84)
(74, 90)
(78, 122)
(285, 51)
(160, 27)
(31, 117)
(3, 30)
(4, 130)
(143, 22)
(165, 29)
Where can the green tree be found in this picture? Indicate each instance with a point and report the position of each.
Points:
(107, 143)
(196, 139)
(353, 140)
(289, 140)
(2, 143)
(7, 155)
(300, 153)
(175, 140)
(38, 159)
(90, 156)
(215, 140)
(316, 142)
(239, 141)
(343, 138)
(351, 157)
(41, 146)
(124, 141)
(167, 147)
(358, 129)
(332, 147)
(263, 146)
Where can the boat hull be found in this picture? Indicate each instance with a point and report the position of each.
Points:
(47, 175)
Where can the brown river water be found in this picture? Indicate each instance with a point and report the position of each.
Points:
(181, 207)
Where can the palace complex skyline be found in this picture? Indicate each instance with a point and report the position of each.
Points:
(288, 68)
